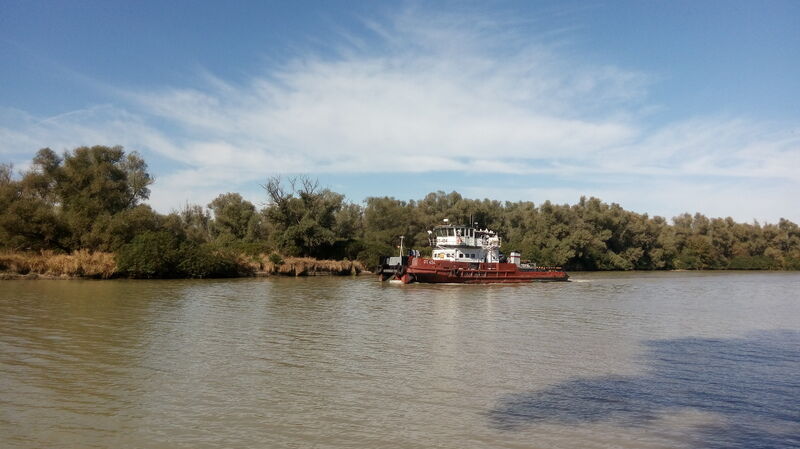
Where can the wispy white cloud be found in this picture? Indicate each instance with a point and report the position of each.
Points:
(22, 134)
(670, 197)
(436, 93)
(426, 93)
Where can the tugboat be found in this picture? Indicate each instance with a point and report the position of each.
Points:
(464, 255)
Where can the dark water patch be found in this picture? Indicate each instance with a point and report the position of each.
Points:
(752, 384)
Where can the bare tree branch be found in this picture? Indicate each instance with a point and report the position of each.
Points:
(276, 194)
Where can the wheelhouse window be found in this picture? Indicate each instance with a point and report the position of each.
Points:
(445, 232)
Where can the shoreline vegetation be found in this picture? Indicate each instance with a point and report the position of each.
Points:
(81, 214)
(83, 264)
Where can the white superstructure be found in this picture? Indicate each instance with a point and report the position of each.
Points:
(465, 244)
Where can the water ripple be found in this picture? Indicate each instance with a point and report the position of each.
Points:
(620, 360)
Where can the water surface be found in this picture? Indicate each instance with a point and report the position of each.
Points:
(658, 360)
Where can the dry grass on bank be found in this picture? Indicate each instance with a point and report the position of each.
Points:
(306, 266)
(81, 263)
(84, 263)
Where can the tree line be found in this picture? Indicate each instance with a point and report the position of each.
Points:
(92, 198)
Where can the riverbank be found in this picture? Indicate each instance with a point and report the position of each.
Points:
(84, 264)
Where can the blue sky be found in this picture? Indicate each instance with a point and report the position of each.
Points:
(663, 107)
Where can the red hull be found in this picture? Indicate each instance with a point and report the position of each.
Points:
(441, 271)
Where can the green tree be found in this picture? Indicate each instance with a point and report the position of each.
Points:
(195, 222)
(111, 232)
(28, 217)
(304, 216)
(87, 186)
(233, 216)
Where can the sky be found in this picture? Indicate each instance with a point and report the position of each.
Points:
(663, 107)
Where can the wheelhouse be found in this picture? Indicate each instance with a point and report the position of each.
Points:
(465, 244)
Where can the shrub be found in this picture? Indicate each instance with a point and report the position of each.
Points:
(150, 255)
(753, 263)
(276, 259)
(163, 255)
(372, 251)
(792, 263)
(203, 261)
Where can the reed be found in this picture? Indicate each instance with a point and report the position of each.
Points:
(81, 263)
(84, 263)
(307, 266)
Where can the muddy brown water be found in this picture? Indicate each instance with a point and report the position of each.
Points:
(639, 360)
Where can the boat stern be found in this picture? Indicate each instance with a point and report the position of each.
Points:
(394, 268)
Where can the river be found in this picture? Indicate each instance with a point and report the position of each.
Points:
(639, 360)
